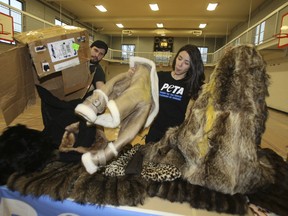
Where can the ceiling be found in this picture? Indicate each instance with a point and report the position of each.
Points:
(180, 17)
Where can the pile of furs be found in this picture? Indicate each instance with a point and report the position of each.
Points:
(213, 160)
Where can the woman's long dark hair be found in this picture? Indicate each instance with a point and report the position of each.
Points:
(195, 75)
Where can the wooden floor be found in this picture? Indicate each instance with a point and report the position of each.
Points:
(275, 136)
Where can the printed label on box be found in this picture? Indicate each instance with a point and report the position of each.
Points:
(61, 50)
(67, 64)
(41, 48)
(45, 67)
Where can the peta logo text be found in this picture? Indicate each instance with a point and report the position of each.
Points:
(172, 89)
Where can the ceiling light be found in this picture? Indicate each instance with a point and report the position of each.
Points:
(101, 8)
(120, 25)
(154, 7)
(202, 25)
(212, 6)
(160, 25)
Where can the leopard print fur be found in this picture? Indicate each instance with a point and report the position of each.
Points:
(150, 171)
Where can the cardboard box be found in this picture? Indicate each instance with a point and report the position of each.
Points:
(56, 48)
(71, 83)
(17, 85)
(17, 89)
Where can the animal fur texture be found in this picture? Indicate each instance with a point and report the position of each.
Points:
(23, 150)
(220, 138)
(207, 140)
(70, 180)
(71, 134)
(132, 101)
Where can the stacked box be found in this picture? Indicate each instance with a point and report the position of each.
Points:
(56, 48)
(64, 71)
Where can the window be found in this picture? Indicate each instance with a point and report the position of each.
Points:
(17, 18)
(204, 53)
(60, 23)
(259, 33)
(127, 51)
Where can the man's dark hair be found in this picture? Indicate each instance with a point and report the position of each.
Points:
(100, 44)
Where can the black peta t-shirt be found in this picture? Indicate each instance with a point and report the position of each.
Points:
(173, 101)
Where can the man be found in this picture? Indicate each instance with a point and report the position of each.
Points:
(86, 134)
(57, 114)
(98, 51)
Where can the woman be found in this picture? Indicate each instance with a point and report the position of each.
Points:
(176, 89)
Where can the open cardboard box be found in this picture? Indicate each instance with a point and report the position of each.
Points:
(20, 74)
(56, 48)
(16, 84)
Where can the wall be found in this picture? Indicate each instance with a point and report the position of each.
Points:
(258, 15)
(278, 89)
(277, 59)
(146, 44)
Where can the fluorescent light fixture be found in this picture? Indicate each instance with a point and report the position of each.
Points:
(101, 8)
(120, 25)
(202, 25)
(160, 25)
(212, 6)
(154, 7)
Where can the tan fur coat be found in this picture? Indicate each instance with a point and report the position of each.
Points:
(217, 144)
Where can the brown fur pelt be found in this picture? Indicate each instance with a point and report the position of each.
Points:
(70, 180)
(199, 197)
(56, 180)
(70, 136)
(219, 140)
(273, 197)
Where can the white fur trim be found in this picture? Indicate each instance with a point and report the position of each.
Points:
(105, 120)
(113, 149)
(101, 157)
(87, 112)
(154, 85)
(88, 163)
(112, 119)
(114, 112)
(103, 94)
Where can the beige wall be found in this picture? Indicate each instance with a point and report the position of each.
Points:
(146, 44)
(278, 89)
(270, 28)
